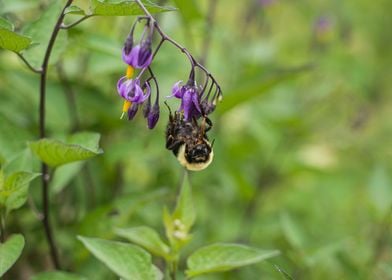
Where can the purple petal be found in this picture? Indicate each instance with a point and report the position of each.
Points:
(177, 90)
(195, 100)
(187, 104)
(127, 58)
(132, 111)
(153, 116)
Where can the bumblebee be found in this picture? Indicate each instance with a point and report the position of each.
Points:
(189, 142)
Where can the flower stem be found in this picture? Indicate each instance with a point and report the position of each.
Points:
(42, 133)
(165, 37)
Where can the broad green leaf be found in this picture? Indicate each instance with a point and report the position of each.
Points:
(64, 174)
(40, 32)
(185, 211)
(117, 8)
(188, 9)
(147, 238)
(10, 251)
(11, 40)
(57, 275)
(20, 162)
(223, 257)
(14, 192)
(80, 146)
(126, 260)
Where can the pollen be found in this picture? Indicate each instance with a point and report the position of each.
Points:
(130, 72)
(127, 104)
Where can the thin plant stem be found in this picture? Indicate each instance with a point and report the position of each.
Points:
(165, 37)
(35, 70)
(42, 133)
(68, 26)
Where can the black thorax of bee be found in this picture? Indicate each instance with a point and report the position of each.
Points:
(191, 134)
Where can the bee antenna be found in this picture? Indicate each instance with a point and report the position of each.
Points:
(212, 143)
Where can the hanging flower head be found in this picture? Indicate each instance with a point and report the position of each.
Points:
(190, 99)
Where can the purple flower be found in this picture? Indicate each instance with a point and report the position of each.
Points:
(190, 102)
(132, 111)
(140, 56)
(130, 90)
(153, 116)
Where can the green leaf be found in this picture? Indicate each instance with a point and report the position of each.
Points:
(20, 162)
(75, 10)
(57, 275)
(80, 146)
(40, 31)
(14, 192)
(64, 174)
(11, 40)
(117, 8)
(223, 257)
(147, 238)
(126, 260)
(185, 211)
(10, 251)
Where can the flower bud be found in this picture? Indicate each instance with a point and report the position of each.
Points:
(153, 116)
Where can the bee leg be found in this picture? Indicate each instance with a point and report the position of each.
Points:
(170, 111)
(169, 141)
(209, 122)
(174, 145)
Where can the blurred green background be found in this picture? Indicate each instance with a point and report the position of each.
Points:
(303, 136)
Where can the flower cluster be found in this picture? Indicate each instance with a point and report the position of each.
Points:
(196, 101)
(130, 88)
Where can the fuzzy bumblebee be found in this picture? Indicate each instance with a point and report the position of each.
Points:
(189, 142)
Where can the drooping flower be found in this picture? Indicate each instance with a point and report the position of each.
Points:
(190, 99)
(130, 90)
(139, 57)
(153, 116)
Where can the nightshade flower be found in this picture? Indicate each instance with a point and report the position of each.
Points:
(140, 55)
(130, 90)
(190, 99)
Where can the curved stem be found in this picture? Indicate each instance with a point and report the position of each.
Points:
(35, 70)
(68, 26)
(42, 133)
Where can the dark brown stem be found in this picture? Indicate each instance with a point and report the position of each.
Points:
(42, 133)
(165, 37)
